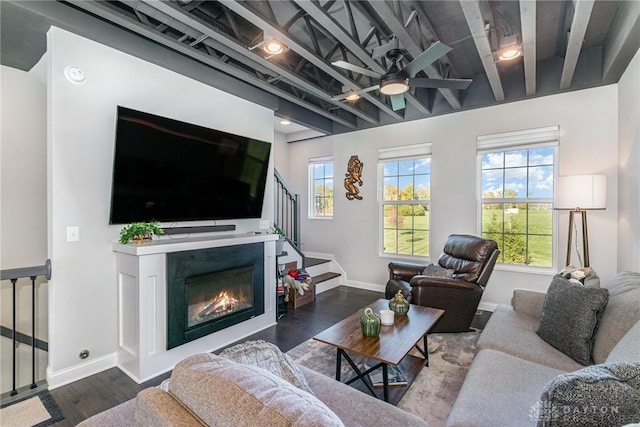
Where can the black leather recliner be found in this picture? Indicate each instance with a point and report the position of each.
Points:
(472, 260)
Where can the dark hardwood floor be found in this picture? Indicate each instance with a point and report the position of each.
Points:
(82, 399)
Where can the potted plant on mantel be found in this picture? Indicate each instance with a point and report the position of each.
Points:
(139, 232)
(281, 239)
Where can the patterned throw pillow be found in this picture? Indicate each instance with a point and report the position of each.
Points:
(599, 395)
(268, 356)
(435, 270)
(570, 317)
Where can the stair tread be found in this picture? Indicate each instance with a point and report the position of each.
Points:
(324, 277)
(310, 262)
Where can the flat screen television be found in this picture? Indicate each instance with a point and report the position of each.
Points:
(169, 171)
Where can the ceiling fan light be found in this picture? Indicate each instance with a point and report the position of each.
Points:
(273, 47)
(394, 86)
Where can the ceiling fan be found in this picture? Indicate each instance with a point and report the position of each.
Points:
(396, 81)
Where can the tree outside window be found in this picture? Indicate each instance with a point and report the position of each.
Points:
(517, 204)
(321, 201)
(405, 206)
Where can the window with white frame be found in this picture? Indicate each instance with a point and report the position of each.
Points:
(405, 199)
(516, 193)
(321, 187)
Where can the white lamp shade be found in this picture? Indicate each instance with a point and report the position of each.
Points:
(583, 192)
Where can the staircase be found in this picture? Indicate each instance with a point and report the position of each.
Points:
(287, 218)
(322, 274)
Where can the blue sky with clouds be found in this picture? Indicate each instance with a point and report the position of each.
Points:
(527, 172)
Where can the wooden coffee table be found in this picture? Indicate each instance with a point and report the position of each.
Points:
(390, 348)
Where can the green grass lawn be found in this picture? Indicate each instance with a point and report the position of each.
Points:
(527, 235)
(404, 240)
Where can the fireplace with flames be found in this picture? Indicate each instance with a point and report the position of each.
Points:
(214, 295)
(209, 290)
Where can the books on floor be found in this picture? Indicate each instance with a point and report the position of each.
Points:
(396, 377)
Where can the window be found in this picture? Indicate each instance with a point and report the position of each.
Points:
(517, 195)
(321, 188)
(405, 175)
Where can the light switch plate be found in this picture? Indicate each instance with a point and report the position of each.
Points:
(73, 234)
(264, 224)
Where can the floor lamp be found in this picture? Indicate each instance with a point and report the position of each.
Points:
(578, 194)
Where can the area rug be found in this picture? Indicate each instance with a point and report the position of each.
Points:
(433, 392)
(39, 411)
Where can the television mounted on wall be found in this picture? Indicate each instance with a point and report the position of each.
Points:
(170, 171)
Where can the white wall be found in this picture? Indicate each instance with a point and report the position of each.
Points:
(23, 196)
(281, 154)
(588, 144)
(81, 132)
(629, 167)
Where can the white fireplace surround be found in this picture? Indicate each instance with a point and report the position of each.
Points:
(142, 303)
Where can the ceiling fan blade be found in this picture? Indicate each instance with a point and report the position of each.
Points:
(397, 102)
(429, 56)
(359, 92)
(348, 66)
(380, 51)
(440, 83)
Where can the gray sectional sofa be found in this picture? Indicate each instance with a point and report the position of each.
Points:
(514, 365)
(206, 389)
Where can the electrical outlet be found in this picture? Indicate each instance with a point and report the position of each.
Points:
(264, 224)
(73, 234)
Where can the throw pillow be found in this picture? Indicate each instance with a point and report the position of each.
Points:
(593, 396)
(570, 316)
(223, 393)
(268, 356)
(434, 270)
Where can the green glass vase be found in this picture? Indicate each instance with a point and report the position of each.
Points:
(370, 323)
(399, 305)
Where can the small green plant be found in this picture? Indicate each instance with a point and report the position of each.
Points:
(279, 232)
(139, 231)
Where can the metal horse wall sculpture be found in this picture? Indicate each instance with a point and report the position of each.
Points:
(353, 177)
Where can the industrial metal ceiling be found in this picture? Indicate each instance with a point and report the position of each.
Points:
(566, 45)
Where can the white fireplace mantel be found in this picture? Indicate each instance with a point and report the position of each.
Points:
(142, 303)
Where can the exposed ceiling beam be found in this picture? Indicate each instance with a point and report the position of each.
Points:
(122, 20)
(622, 42)
(318, 13)
(528, 25)
(142, 10)
(476, 23)
(581, 17)
(243, 10)
(177, 13)
(396, 26)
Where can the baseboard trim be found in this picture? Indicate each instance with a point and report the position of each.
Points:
(366, 285)
(325, 286)
(80, 371)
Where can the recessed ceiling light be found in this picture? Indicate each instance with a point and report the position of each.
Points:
(285, 122)
(509, 54)
(352, 97)
(510, 48)
(75, 74)
(273, 47)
